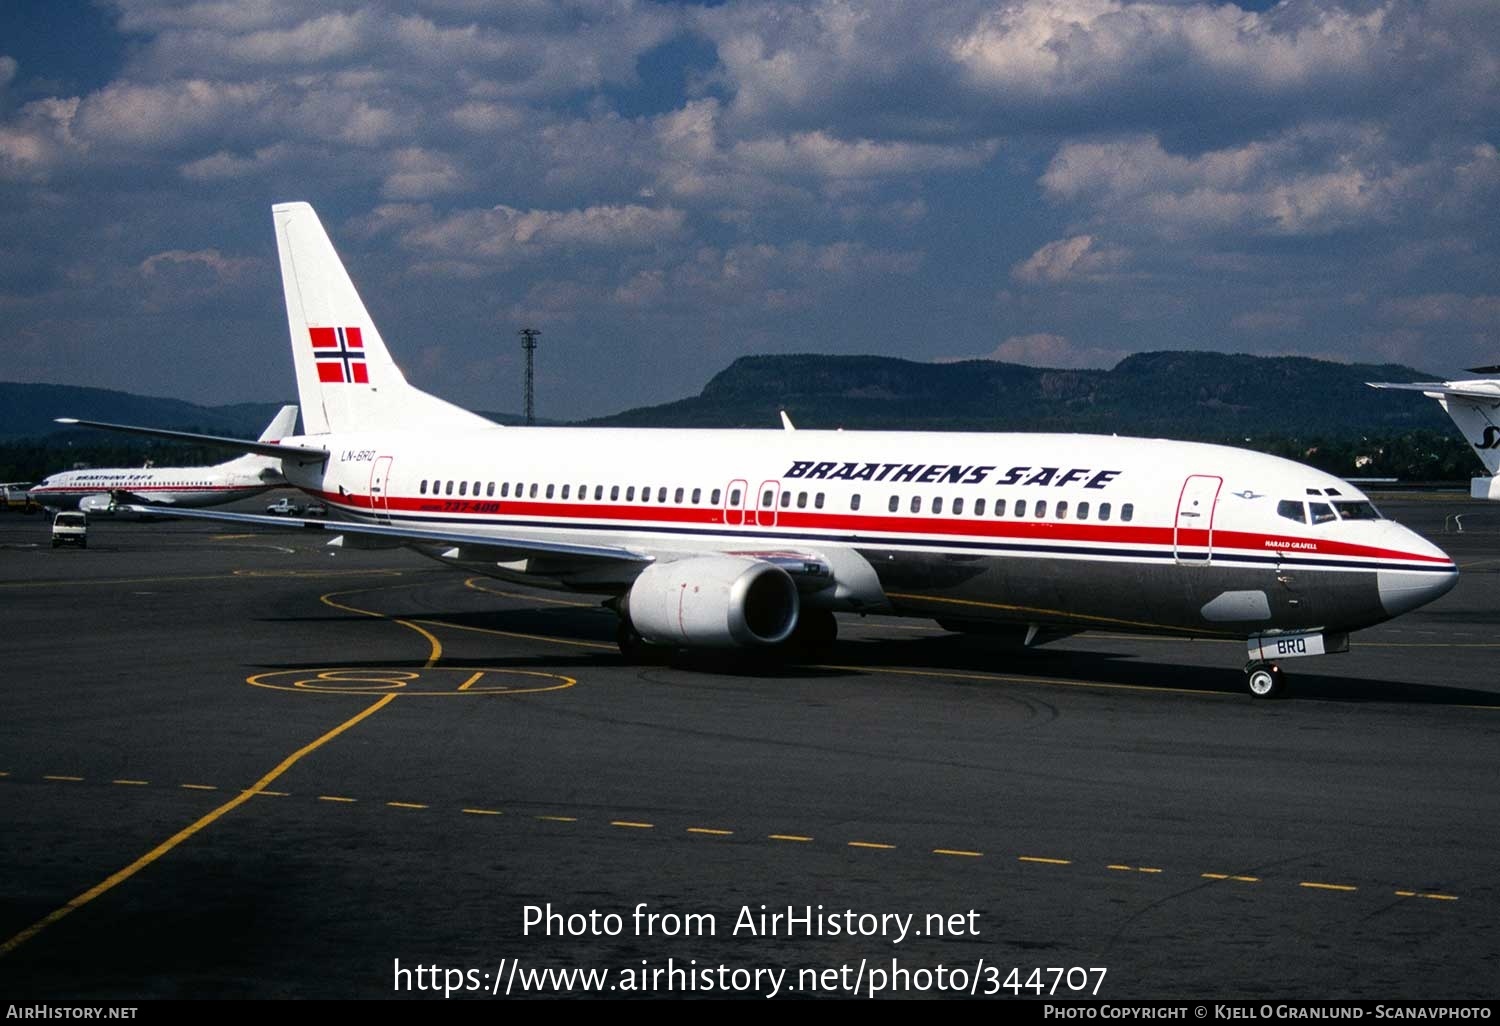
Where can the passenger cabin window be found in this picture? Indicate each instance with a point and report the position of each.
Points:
(854, 502)
(533, 491)
(734, 497)
(1041, 508)
(765, 500)
(1104, 511)
(489, 490)
(449, 489)
(423, 489)
(549, 491)
(958, 507)
(979, 507)
(818, 502)
(895, 503)
(661, 495)
(476, 489)
(1083, 511)
(1127, 511)
(1062, 510)
(630, 494)
(598, 493)
(713, 497)
(1292, 510)
(786, 500)
(937, 504)
(463, 488)
(677, 496)
(801, 500)
(1321, 512)
(614, 493)
(698, 496)
(1020, 506)
(916, 504)
(645, 494)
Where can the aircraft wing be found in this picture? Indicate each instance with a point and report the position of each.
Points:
(243, 445)
(496, 547)
(1435, 388)
(810, 571)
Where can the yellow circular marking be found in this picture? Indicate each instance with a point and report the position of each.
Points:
(431, 680)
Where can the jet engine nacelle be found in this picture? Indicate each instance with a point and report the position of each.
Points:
(95, 505)
(713, 602)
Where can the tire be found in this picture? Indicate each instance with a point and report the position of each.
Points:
(1265, 680)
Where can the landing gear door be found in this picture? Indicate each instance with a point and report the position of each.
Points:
(380, 474)
(1193, 531)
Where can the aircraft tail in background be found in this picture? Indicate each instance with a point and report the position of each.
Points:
(1474, 405)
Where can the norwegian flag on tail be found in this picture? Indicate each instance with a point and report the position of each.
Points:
(340, 353)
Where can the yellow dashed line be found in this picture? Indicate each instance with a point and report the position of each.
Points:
(789, 837)
(959, 852)
(484, 812)
(559, 819)
(1423, 894)
(405, 805)
(335, 798)
(199, 787)
(631, 825)
(69, 779)
(1133, 869)
(1228, 876)
(1312, 885)
(266, 794)
(132, 783)
(871, 844)
(1043, 861)
(710, 831)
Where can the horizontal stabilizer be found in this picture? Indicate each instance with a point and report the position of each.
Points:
(305, 453)
(1444, 388)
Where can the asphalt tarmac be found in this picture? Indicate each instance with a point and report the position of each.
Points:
(239, 765)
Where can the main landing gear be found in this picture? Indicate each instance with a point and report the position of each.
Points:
(1265, 680)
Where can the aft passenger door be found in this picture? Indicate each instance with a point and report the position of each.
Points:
(379, 486)
(734, 502)
(1193, 531)
(766, 497)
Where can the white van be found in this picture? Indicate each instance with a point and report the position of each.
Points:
(70, 528)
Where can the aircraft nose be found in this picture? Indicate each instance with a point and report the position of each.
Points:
(1404, 590)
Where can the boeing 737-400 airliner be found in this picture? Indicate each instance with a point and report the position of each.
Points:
(755, 539)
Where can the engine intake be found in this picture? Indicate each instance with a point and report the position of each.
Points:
(713, 602)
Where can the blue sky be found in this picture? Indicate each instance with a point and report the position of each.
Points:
(661, 188)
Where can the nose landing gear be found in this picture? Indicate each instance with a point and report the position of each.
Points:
(1265, 680)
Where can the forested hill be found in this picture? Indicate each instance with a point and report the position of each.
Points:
(1191, 395)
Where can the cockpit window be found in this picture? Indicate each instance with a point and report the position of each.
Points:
(1358, 511)
(1321, 512)
(1292, 510)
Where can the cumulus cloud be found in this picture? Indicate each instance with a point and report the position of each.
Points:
(219, 268)
(504, 233)
(1307, 182)
(1068, 260)
(1051, 351)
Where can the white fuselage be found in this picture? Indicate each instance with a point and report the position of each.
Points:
(187, 487)
(1066, 530)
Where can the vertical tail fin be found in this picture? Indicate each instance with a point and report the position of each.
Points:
(1474, 407)
(346, 379)
(283, 424)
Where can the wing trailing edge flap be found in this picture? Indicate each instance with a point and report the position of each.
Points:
(473, 546)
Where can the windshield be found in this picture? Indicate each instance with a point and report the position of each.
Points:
(1358, 511)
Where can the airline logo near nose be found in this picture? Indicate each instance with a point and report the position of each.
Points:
(1491, 439)
(340, 353)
